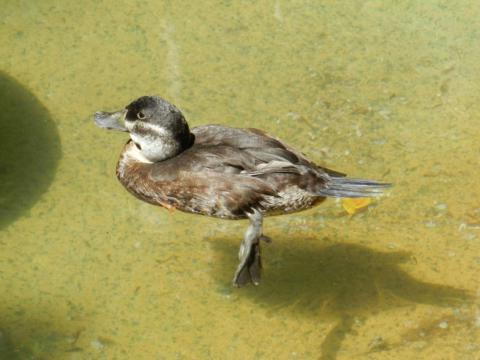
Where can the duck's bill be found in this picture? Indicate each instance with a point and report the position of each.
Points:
(111, 120)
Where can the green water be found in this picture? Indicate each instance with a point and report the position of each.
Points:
(379, 89)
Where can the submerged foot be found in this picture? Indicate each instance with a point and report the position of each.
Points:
(250, 266)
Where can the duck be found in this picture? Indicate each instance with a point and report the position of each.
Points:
(221, 171)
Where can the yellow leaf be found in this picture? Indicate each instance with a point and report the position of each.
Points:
(354, 205)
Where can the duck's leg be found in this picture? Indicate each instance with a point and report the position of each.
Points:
(250, 265)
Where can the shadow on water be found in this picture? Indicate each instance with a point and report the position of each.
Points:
(338, 282)
(27, 336)
(29, 149)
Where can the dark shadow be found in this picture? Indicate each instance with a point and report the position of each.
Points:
(335, 282)
(37, 336)
(29, 149)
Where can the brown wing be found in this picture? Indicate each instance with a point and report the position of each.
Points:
(262, 146)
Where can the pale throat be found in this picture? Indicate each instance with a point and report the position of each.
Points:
(133, 153)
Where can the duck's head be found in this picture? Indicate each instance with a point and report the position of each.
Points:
(157, 128)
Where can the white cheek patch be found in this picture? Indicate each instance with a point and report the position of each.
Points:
(157, 130)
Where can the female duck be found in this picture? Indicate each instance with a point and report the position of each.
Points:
(220, 171)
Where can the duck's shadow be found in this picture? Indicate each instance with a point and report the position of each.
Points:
(335, 281)
(29, 149)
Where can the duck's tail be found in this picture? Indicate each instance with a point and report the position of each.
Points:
(345, 187)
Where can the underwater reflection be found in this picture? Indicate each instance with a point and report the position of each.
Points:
(336, 282)
(29, 149)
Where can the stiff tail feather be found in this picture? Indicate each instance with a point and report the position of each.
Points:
(345, 187)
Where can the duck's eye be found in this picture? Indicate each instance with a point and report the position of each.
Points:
(141, 115)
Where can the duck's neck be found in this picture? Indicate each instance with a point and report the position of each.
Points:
(156, 148)
(133, 154)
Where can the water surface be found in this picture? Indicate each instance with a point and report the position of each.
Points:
(380, 89)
